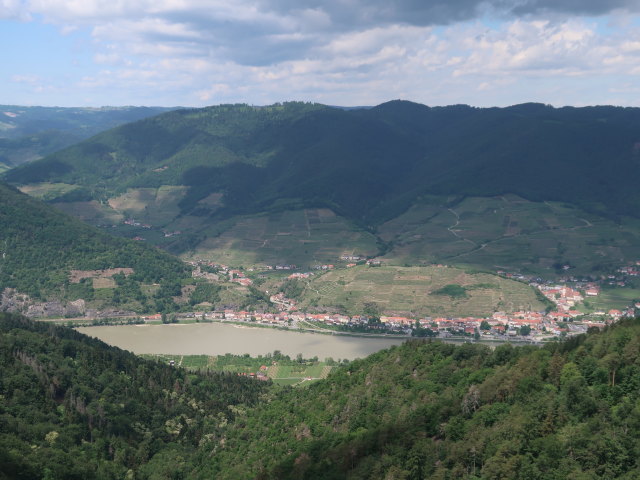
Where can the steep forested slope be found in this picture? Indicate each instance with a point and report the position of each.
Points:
(368, 164)
(71, 407)
(40, 245)
(432, 410)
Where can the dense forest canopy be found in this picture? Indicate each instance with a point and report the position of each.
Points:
(40, 245)
(435, 410)
(73, 407)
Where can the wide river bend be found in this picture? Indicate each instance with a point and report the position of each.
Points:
(218, 339)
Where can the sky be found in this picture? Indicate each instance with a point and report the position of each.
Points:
(336, 52)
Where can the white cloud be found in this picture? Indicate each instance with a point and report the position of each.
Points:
(13, 10)
(342, 51)
(370, 66)
(542, 49)
(30, 79)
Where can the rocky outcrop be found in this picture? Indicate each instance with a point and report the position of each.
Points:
(15, 302)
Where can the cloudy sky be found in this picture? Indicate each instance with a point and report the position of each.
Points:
(338, 52)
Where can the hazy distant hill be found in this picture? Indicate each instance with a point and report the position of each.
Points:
(29, 133)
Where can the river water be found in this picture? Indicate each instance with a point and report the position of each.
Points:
(218, 339)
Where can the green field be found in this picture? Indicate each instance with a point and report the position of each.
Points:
(45, 191)
(92, 212)
(302, 237)
(611, 298)
(154, 206)
(411, 291)
(284, 371)
(511, 233)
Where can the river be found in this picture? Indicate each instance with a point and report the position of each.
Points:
(218, 339)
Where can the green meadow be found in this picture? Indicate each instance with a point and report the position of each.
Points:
(281, 370)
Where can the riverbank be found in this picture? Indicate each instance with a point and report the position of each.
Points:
(120, 321)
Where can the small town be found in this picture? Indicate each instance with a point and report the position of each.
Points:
(564, 319)
(561, 321)
(564, 316)
(533, 326)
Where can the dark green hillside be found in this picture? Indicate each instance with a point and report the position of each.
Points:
(40, 245)
(29, 133)
(367, 164)
(166, 150)
(438, 411)
(71, 407)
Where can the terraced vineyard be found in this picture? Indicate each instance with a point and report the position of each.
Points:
(300, 237)
(511, 233)
(413, 291)
(489, 233)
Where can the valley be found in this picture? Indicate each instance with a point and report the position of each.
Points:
(368, 212)
(221, 243)
(379, 240)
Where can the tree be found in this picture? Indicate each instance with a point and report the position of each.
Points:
(471, 401)
(371, 310)
(484, 325)
(611, 362)
(525, 330)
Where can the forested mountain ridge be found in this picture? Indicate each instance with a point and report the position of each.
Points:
(29, 133)
(439, 411)
(72, 407)
(366, 164)
(40, 246)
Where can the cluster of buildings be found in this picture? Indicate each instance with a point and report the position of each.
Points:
(238, 276)
(323, 267)
(202, 269)
(500, 325)
(133, 223)
(631, 270)
(564, 319)
(281, 267)
(299, 275)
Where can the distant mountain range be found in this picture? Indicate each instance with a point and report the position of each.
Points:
(529, 187)
(367, 164)
(29, 133)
